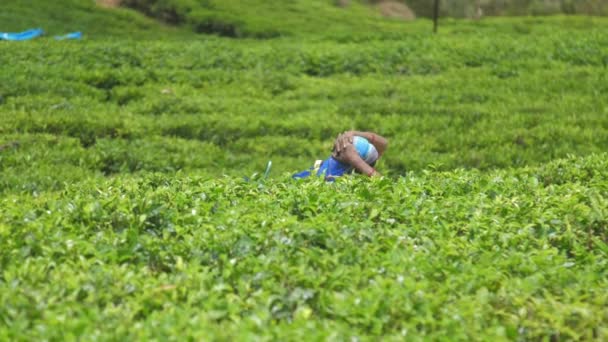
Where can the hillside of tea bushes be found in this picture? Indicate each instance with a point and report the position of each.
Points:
(132, 205)
(481, 98)
(267, 18)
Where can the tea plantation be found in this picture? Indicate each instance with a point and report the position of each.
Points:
(132, 204)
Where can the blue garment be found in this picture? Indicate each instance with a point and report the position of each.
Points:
(330, 168)
(25, 35)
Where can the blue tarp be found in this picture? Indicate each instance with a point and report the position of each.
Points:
(25, 35)
(33, 33)
(72, 35)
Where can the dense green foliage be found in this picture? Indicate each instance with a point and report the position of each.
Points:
(462, 99)
(518, 254)
(124, 213)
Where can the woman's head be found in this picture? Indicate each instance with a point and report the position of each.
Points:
(366, 151)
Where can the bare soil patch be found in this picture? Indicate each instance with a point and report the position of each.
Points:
(342, 3)
(109, 3)
(395, 9)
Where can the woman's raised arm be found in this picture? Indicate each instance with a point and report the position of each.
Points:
(379, 142)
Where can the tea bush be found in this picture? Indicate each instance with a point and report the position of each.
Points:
(132, 204)
(478, 99)
(507, 254)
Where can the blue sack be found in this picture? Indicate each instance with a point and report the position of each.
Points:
(71, 35)
(25, 35)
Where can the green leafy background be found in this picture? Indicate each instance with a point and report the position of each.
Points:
(132, 205)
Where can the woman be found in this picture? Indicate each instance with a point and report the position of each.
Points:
(353, 151)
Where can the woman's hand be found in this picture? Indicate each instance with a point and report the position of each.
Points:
(348, 154)
(343, 140)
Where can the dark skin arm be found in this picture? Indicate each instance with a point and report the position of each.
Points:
(348, 154)
(379, 142)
